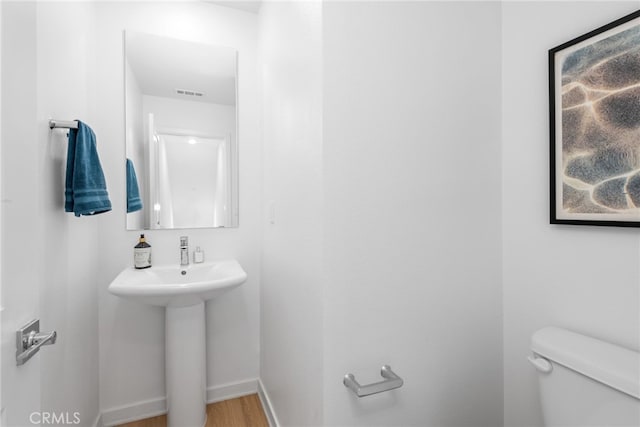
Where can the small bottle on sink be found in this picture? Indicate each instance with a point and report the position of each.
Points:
(142, 254)
(198, 255)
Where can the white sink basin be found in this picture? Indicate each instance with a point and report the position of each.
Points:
(175, 286)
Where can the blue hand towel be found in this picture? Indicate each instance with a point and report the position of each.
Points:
(134, 203)
(85, 187)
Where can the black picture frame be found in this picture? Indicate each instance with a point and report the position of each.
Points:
(594, 110)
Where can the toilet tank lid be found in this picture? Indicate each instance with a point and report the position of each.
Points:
(615, 366)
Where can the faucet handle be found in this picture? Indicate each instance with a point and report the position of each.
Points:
(184, 241)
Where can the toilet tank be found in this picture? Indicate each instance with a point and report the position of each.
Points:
(585, 381)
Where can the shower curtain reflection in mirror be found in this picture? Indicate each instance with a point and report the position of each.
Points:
(183, 180)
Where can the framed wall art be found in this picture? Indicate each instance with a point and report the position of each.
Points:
(594, 94)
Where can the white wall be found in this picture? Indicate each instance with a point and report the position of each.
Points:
(412, 238)
(71, 255)
(132, 335)
(582, 278)
(2, 407)
(54, 255)
(21, 282)
(291, 297)
(202, 117)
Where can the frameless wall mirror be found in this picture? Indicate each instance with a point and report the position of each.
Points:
(181, 133)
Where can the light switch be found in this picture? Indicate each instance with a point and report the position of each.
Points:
(271, 211)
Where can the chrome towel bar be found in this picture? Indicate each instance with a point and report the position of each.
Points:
(64, 124)
(390, 382)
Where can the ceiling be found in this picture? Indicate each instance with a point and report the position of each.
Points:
(246, 5)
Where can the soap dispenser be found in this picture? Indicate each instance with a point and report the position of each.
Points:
(142, 254)
(198, 255)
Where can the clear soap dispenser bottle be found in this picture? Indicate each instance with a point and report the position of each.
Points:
(142, 254)
(198, 255)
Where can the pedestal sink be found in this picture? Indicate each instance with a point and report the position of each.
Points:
(183, 291)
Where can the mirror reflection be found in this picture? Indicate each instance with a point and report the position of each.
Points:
(181, 138)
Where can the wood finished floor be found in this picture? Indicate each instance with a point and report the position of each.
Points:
(245, 411)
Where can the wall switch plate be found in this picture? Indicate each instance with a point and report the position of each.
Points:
(271, 212)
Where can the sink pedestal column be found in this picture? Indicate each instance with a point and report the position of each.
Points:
(186, 366)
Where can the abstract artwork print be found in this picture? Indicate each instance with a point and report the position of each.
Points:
(594, 84)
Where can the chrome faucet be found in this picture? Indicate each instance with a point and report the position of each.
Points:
(184, 251)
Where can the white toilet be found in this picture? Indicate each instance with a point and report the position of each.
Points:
(584, 381)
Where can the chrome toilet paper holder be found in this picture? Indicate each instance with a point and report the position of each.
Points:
(391, 381)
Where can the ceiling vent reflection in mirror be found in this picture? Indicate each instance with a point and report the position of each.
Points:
(189, 92)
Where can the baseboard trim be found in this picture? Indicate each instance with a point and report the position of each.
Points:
(154, 407)
(267, 406)
(232, 390)
(134, 412)
(98, 421)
